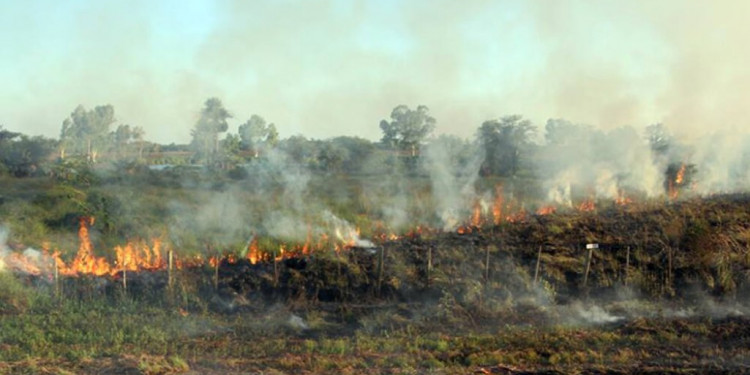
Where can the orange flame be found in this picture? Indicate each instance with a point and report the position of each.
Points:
(476, 216)
(85, 261)
(680, 178)
(497, 206)
(253, 253)
(281, 255)
(587, 206)
(678, 181)
(546, 210)
(622, 199)
(517, 217)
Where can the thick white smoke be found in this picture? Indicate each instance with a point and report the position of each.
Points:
(452, 179)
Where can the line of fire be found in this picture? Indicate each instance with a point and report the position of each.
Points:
(155, 254)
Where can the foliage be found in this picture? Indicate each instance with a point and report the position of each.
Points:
(503, 142)
(257, 136)
(24, 156)
(212, 121)
(85, 133)
(128, 141)
(407, 129)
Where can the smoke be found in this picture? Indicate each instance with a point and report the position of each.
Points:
(722, 160)
(452, 179)
(579, 313)
(591, 163)
(315, 67)
(601, 164)
(29, 261)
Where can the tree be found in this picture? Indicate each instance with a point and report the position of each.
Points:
(407, 128)
(23, 156)
(127, 140)
(331, 156)
(85, 132)
(358, 151)
(230, 149)
(212, 121)
(457, 151)
(659, 138)
(563, 132)
(300, 149)
(256, 135)
(137, 134)
(121, 139)
(503, 140)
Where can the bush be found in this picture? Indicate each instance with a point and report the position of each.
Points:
(14, 297)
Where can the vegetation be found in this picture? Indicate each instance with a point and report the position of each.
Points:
(468, 270)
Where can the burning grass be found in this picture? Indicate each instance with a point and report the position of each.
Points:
(506, 298)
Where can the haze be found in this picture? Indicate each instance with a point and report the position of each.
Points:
(329, 68)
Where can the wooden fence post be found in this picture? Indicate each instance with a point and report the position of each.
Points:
(538, 263)
(590, 247)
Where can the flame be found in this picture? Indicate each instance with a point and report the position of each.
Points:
(497, 206)
(622, 199)
(21, 263)
(517, 217)
(678, 181)
(546, 210)
(587, 206)
(680, 178)
(85, 261)
(138, 255)
(476, 216)
(253, 253)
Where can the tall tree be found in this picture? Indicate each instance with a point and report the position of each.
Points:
(407, 128)
(85, 132)
(256, 136)
(212, 121)
(137, 134)
(503, 140)
(127, 140)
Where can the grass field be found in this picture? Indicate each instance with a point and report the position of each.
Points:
(665, 294)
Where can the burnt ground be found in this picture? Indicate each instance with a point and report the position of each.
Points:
(665, 292)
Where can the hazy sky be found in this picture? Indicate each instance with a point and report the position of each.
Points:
(327, 68)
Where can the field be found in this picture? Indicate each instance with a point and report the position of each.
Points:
(665, 292)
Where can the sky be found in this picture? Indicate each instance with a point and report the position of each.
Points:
(338, 67)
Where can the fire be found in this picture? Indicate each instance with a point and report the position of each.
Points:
(253, 252)
(21, 263)
(497, 206)
(680, 178)
(281, 255)
(622, 199)
(546, 210)
(476, 216)
(138, 256)
(517, 217)
(587, 206)
(85, 261)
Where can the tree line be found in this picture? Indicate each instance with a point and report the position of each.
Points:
(508, 144)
